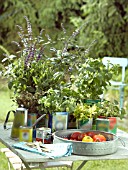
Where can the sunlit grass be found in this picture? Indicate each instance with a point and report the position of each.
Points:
(6, 103)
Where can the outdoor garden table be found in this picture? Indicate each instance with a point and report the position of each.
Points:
(29, 158)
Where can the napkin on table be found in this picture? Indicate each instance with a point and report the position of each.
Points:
(57, 150)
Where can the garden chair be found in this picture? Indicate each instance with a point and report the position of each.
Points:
(118, 85)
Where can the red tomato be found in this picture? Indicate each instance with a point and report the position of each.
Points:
(81, 136)
(91, 134)
(99, 138)
(74, 135)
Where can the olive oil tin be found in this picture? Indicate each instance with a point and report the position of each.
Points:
(44, 135)
(25, 133)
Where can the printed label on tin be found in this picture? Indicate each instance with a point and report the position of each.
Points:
(39, 134)
(59, 121)
(25, 134)
(43, 135)
(102, 124)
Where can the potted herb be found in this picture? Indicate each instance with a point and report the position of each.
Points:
(111, 109)
(93, 78)
(29, 100)
(57, 101)
(81, 77)
(29, 73)
(85, 114)
(57, 79)
(108, 114)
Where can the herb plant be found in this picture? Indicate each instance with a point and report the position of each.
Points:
(52, 78)
(84, 111)
(110, 109)
(29, 74)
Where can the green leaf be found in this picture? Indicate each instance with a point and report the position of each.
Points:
(10, 85)
(30, 89)
(34, 79)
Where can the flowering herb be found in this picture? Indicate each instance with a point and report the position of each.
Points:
(62, 76)
(31, 73)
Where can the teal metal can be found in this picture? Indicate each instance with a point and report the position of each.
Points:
(32, 117)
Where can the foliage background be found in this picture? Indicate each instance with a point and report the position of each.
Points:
(106, 22)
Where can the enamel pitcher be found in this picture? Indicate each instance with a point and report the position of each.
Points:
(20, 119)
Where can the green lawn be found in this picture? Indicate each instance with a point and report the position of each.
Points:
(6, 105)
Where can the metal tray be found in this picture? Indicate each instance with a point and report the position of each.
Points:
(89, 148)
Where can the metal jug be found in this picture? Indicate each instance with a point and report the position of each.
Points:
(20, 119)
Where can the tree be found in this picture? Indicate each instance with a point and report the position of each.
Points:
(43, 14)
(107, 24)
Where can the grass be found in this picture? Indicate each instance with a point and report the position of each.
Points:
(6, 105)
(3, 159)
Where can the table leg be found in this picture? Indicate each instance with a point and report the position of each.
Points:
(26, 165)
(81, 165)
(42, 167)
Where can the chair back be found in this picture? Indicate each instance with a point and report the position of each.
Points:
(123, 62)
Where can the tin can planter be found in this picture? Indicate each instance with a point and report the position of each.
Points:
(85, 124)
(32, 117)
(91, 101)
(25, 134)
(44, 135)
(107, 124)
(58, 121)
(112, 124)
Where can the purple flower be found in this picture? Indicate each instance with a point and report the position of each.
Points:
(29, 28)
(41, 51)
